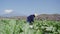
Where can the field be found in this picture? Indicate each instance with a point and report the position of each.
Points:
(12, 26)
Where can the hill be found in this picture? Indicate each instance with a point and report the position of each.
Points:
(39, 17)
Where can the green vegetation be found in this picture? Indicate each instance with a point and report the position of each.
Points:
(11, 26)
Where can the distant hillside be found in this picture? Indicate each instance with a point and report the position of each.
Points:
(49, 17)
(39, 17)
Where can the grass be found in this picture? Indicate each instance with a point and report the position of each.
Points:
(12, 26)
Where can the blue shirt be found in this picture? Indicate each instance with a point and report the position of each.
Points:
(30, 18)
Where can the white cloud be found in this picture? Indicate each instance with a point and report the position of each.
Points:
(8, 11)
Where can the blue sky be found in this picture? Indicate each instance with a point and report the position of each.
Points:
(27, 7)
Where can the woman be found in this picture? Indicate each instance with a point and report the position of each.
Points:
(30, 19)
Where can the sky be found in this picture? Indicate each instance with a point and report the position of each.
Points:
(27, 7)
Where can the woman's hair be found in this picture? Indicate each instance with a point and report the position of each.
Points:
(33, 15)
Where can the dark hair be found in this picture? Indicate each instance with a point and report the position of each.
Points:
(33, 15)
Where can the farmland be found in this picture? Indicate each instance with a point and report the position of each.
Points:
(13, 26)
